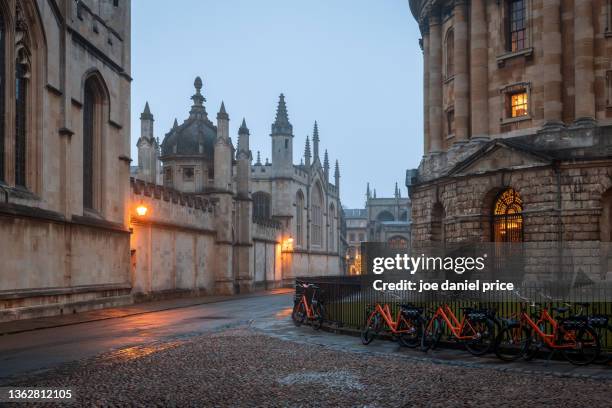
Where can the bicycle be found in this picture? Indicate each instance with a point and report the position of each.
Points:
(524, 336)
(599, 322)
(303, 311)
(476, 329)
(406, 326)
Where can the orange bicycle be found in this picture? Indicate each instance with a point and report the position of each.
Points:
(476, 330)
(525, 336)
(304, 310)
(406, 326)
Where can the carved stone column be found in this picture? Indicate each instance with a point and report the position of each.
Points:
(435, 81)
(479, 78)
(552, 49)
(462, 72)
(583, 63)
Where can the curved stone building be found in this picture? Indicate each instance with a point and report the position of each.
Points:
(517, 126)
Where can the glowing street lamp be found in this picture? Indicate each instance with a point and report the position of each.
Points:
(141, 210)
(288, 244)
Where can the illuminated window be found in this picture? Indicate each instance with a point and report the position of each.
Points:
(517, 25)
(519, 104)
(508, 217)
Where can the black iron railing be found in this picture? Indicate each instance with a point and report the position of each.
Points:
(347, 298)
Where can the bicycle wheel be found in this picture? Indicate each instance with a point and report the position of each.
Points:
(299, 314)
(431, 333)
(319, 316)
(371, 328)
(483, 338)
(511, 343)
(409, 332)
(587, 347)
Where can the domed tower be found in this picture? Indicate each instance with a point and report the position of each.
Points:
(188, 149)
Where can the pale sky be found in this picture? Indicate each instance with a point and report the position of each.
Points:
(353, 65)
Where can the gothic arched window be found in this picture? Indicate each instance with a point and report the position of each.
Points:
(2, 92)
(22, 74)
(299, 218)
(449, 51)
(317, 216)
(507, 217)
(261, 206)
(93, 103)
(331, 216)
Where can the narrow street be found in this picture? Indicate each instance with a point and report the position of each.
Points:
(41, 349)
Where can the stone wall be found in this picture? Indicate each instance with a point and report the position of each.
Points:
(267, 264)
(172, 245)
(296, 264)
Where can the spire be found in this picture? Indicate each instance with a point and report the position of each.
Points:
(374, 193)
(326, 161)
(315, 139)
(368, 192)
(396, 190)
(281, 125)
(146, 114)
(198, 99)
(175, 125)
(337, 171)
(307, 154)
(244, 130)
(222, 113)
(258, 162)
(243, 151)
(267, 162)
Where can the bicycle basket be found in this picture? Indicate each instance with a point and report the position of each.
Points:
(598, 321)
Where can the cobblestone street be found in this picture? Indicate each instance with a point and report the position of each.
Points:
(242, 367)
(247, 353)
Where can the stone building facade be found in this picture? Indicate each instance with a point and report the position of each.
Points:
(302, 198)
(518, 129)
(64, 156)
(217, 223)
(383, 220)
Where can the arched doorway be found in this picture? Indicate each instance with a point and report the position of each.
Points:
(507, 222)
